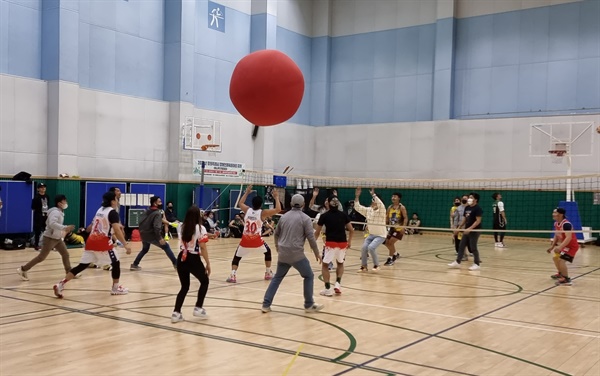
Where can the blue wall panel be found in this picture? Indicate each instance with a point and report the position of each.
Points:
(16, 207)
(93, 198)
(21, 45)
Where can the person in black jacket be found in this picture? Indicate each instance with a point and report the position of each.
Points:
(39, 205)
(150, 231)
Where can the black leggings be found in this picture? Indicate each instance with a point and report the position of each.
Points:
(192, 265)
(115, 272)
(268, 255)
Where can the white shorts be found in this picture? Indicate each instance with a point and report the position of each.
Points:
(244, 251)
(333, 253)
(99, 257)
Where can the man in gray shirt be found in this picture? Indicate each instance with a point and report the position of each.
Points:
(293, 229)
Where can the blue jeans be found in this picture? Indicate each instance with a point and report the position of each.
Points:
(146, 248)
(303, 267)
(370, 245)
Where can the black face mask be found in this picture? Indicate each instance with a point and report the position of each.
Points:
(170, 207)
(464, 201)
(457, 204)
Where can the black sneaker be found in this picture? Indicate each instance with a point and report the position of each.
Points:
(555, 276)
(564, 281)
(396, 256)
(389, 262)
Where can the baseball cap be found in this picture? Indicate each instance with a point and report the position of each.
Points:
(297, 201)
(561, 211)
(41, 185)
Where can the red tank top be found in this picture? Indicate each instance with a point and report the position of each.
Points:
(573, 245)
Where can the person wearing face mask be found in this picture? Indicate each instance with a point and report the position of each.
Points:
(457, 215)
(99, 247)
(472, 221)
(39, 205)
(151, 222)
(55, 229)
(375, 215)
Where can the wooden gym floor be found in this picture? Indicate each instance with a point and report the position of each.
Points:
(414, 318)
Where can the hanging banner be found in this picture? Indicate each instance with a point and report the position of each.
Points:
(219, 169)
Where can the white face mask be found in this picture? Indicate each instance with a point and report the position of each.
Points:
(470, 201)
(65, 206)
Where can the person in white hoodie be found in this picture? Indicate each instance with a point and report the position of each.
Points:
(53, 237)
(375, 215)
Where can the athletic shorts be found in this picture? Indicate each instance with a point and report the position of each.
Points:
(99, 257)
(245, 251)
(566, 254)
(395, 233)
(334, 251)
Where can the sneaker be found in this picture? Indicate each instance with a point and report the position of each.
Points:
(555, 276)
(174, 224)
(135, 268)
(119, 290)
(176, 317)
(38, 248)
(167, 238)
(265, 309)
(376, 268)
(22, 274)
(497, 244)
(337, 288)
(501, 245)
(58, 289)
(563, 281)
(268, 275)
(327, 292)
(389, 262)
(200, 312)
(231, 279)
(396, 256)
(363, 269)
(474, 267)
(454, 265)
(314, 308)
(109, 267)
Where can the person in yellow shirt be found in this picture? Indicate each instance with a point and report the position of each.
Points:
(396, 219)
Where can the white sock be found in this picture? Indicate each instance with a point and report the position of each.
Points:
(267, 270)
(115, 285)
(233, 272)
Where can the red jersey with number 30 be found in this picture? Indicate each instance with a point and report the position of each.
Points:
(252, 229)
(560, 228)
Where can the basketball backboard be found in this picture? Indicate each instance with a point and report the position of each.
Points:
(576, 139)
(201, 135)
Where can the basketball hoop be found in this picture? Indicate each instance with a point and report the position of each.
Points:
(557, 156)
(209, 147)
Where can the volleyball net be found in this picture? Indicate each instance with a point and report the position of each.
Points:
(528, 202)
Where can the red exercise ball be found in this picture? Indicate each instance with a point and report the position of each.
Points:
(266, 87)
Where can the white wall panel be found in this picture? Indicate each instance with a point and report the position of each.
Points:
(295, 15)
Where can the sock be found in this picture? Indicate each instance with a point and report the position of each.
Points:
(233, 272)
(63, 282)
(338, 280)
(327, 285)
(267, 269)
(115, 285)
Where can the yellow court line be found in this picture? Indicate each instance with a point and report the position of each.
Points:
(293, 360)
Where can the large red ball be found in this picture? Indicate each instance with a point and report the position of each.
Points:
(266, 87)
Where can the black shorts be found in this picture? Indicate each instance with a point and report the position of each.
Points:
(566, 257)
(393, 233)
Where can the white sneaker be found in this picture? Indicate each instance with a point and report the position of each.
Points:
(474, 267)
(314, 308)
(501, 245)
(337, 288)
(58, 289)
(200, 312)
(454, 265)
(22, 274)
(176, 317)
(119, 291)
(327, 292)
(497, 244)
